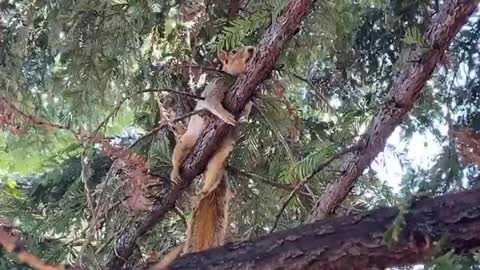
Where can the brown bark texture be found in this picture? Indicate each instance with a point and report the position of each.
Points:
(355, 241)
(245, 87)
(260, 68)
(234, 8)
(401, 99)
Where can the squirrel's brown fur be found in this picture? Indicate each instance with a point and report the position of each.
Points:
(234, 63)
(208, 226)
(209, 221)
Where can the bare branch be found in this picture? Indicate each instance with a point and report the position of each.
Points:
(401, 99)
(320, 92)
(266, 181)
(206, 68)
(171, 91)
(155, 130)
(12, 244)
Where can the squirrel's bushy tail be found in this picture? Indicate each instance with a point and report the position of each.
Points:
(208, 226)
(210, 218)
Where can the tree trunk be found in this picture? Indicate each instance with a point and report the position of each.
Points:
(405, 92)
(244, 88)
(355, 241)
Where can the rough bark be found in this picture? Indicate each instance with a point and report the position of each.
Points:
(244, 89)
(401, 99)
(260, 68)
(355, 241)
(234, 8)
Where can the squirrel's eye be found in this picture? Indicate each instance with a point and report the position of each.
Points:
(233, 52)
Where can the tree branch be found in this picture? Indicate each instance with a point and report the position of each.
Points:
(155, 130)
(318, 90)
(354, 241)
(264, 180)
(405, 92)
(12, 244)
(245, 87)
(233, 9)
(302, 183)
(171, 91)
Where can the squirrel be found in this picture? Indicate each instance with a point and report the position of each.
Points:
(233, 63)
(207, 228)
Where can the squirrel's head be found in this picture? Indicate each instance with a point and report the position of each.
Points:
(235, 61)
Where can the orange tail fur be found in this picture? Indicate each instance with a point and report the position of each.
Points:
(208, 226)
(209, 221)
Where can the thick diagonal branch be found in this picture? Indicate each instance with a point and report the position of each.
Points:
(245, 87)
(355, 241)
(260, 68)
(405, 92)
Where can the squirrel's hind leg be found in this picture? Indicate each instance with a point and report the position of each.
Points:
(185, 144)
(216, 165)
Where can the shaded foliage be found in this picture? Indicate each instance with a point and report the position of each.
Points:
(91, 66)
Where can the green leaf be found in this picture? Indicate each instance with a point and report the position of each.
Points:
(413, 36)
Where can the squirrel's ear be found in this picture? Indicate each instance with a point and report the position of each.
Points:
(222, 55)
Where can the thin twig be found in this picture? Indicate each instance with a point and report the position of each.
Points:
(179, 212)
(155, 130)
(117, 108)
(266, 181)
(115, 243)
(105, 244)
(279, 135)
(320, 167)
(32, 119)
(12, 244)
(327, 104)
(85, 175)
(206, 69)
(172, 91)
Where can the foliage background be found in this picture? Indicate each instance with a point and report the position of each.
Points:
(92, 66)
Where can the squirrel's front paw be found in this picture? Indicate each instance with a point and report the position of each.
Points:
(229, 119)
(175, 177)
(207, 189)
